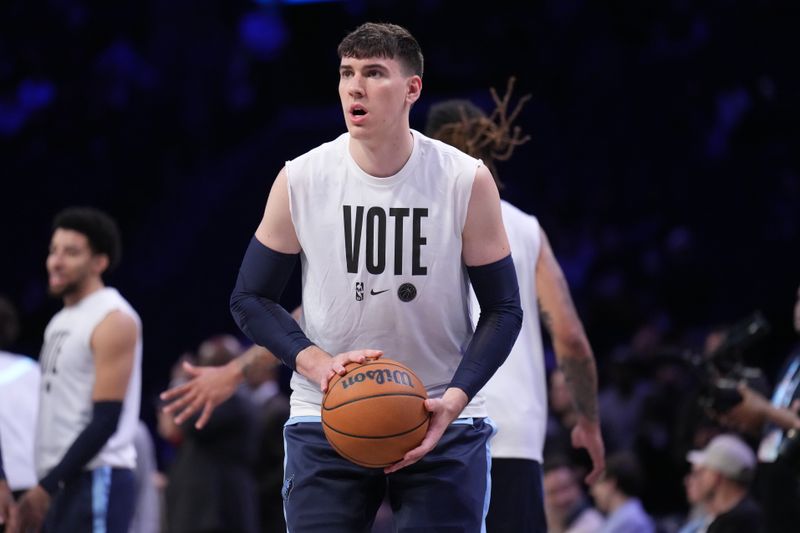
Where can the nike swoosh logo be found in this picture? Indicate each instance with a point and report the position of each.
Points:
(374, 293)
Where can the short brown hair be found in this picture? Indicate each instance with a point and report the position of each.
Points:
(379, 39)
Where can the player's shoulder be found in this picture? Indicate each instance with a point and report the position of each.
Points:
(109, 299)
(317, 162)
(434, 148)
(333, 148)
(446, 162)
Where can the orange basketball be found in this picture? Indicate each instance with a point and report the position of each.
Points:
(374, 414)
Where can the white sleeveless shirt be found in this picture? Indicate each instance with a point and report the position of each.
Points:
(516, 396)
(68, 374)
(19, 403)
(381, 260)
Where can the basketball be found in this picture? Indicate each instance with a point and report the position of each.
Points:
(374, 414)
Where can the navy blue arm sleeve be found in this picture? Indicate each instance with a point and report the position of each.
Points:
(497, 290)
(89, 442)
(254, 302)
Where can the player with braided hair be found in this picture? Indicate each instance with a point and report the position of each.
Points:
(521, 418)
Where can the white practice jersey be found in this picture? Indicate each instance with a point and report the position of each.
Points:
(68, 373)
(381, 260)
(19, 401)
(516, 396)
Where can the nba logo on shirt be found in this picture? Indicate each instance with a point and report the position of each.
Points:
(359, 291)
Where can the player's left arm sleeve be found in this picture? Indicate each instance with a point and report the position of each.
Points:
(500, 321)
(89, 442)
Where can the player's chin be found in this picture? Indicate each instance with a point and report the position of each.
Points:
(356, 131)
(56, 291)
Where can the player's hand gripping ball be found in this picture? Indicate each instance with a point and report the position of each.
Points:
(375, 413)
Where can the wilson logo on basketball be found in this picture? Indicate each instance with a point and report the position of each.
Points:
(378, 376)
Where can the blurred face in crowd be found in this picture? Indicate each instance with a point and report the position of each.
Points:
(797, 312)
(602, 492)
(705, 482)
(71, 263)
(561, 493)
(692, 486)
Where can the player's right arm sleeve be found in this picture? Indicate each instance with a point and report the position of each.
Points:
(254, 302)
(105, 419)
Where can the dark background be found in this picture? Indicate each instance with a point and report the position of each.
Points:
(663, 161)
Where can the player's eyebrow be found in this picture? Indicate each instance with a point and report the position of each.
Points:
(348, 67)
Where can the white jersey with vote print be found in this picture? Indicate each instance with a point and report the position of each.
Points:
(68, 373)
(381, 260)
(516, 396)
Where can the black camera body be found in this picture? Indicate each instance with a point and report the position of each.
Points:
(722, 370)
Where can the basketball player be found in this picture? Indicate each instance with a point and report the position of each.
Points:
(516, 396)
(390, 227)
(89, 400)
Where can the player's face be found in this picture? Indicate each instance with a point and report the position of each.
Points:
(70, 262)
(376, 95)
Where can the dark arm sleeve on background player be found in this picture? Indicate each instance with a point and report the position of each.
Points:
(254, 302)
(497, 290)
(89, 442)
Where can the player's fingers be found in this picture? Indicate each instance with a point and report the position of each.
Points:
(432, 404)
(208, 408)
(174, 392)
(411, 456)
(190, 409)
(181, 402)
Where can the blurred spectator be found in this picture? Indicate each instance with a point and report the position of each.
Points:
(617, 495)
(19, 379)
(272, 411)
(622, 401)
(776, 421)
(567, 507)
(561, 415)
(698, 518)
(147, 513)
(211, 487)
(724, 470)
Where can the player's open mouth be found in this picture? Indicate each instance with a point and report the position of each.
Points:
(357, 111)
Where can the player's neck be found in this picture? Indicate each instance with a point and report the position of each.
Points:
(91, 286)
(384, 156)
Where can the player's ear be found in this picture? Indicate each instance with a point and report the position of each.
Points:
(100, 263)
(414, 89)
